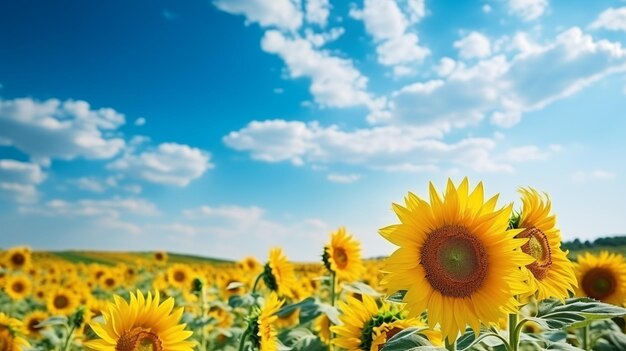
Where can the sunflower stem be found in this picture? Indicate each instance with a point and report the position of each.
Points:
(513, 332)
(256, 282)
(244, 337)
(585, 337)
(333, 282)
(66, 344)
(450, 346)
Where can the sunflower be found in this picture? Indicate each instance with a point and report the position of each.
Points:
(108, 281)
(17, 258)
(160, 256)
(343, 256)
(602, 277)
(367, 327)
(18, 287)
(143, 324)
(264, 333)
(62, 302)
(31, 323)
(278, 274)
(322, 327)
(552, 273)
(180, 276)
(11, 331)
(456, 255)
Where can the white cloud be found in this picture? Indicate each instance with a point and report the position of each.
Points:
(169, 163)
(19, 180)
(445, 67)
(410, 168)
(527, 10)
(343, 178)
(107, 208)
(335, 82)
(140, 121)
(486, 8)
(233, 213)
(611, 19)
(90, 184)
(474, 45)
(64, 130)
(528, 153)
(283, 14)
(388, 25)
(317, 11)
(596, 175)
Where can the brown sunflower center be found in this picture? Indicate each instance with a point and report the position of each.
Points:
(538, 247)
(33, 325)
(139, 339)
(158, 256)
(455, 261)
(18, 287)
(109, 282)
(18, 259)
(389, 334)
(61, 301)
(341, 257)
(599, 283)
(179, 276)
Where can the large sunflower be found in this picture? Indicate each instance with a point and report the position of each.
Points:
(279, 275)
(367, 327)
(456, 259)
(11, 331)
(552, 273)
(144, 323)
(343, 256)
(602, 277)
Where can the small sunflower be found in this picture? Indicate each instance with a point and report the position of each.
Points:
(602, 277)
(456, 255)
(109, 281)
(11, 331)
(343, 256)
(18, 287)
(322, 327)
(265, 335)
(17, 258)
(62, 302)
(367, 327)
(144, 323)
(279, 274)
(180, 276)
(552, 273)
(31, 323)
(160, 256)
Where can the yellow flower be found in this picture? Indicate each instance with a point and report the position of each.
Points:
(552, 273)
(279, 275)
(267, 333)
(31, 321)
(602, 277)
(18, 287)
(366, 327)
(343, 256)
(160, 256)
(456, 259)
(322, 327)
(143, 324)
(18, 258)
(62, 302)
(11, 331)
(180, 276)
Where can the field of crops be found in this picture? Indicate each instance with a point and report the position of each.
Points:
(467, 275)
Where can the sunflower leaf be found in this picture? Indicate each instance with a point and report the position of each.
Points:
(409, 339)
(54, 320)
(576, 312)
(361, 288)
(397, 297)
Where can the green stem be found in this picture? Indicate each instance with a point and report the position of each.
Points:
(66, 344)
(256, 282)
(244, 336)
(585, 337)
(333, 282)
(513, 335)
(450, 346)
(203, 308)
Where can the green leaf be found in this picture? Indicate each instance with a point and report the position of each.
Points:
(360, 288)
(289, 309)
(397, 297)
(54, 320)
(576, 312)
(409, 339)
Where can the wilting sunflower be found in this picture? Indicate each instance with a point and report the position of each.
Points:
(456, 259)
(602, 277)
(18, 287)
(343, 256)
(143, 324)
(264, 333)
(366, 327)
(552, 273)
(31, 323)
(11, 331)
(180, 276)
(18, 258)
(62, 302)
(278, 274)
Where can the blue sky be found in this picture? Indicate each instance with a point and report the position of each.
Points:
(225, 127)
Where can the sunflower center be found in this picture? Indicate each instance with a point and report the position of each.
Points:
(179, 276)
(158, 256)
(455, 261)
(139, 339)
(18, 259)
(18, 287)
(33, 325)
(109, 282)
(341, 258)
(538, 247)
(599, 283)
(60, 301)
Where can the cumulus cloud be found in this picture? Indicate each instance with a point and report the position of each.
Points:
(170, 164)
(19, 180)
(317, 11)
(64, 130)
(343, 178)
(527, 10)
(105, 208)
(611, 19)
(283, 14)
(474, 45)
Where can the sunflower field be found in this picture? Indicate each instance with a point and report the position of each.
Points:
(467, 274)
